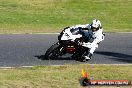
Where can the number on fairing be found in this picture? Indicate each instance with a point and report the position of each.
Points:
(67, 35)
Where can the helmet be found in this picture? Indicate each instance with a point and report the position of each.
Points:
(96, 24)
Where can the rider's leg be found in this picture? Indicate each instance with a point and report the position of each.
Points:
(90, 52)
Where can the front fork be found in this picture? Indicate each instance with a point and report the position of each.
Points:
(61, 49)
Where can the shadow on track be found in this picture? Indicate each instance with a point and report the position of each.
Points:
(116, 56)
(42, 57)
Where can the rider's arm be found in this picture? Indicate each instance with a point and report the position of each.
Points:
(98, 38)
(83, 27)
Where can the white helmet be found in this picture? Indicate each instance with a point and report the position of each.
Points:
(96, 24)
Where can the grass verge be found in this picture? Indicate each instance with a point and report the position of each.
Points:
(39, 16)
(60, 76)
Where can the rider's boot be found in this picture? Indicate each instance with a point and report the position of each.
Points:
(87, 57)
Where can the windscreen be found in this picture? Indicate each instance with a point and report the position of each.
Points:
(75, 31)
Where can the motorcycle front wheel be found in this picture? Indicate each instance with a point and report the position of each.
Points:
(53, 51)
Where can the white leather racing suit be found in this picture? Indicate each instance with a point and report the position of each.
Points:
(97, 36)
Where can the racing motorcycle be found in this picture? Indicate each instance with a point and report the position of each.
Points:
(69, 41)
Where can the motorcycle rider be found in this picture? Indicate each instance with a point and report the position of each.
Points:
(96, 29)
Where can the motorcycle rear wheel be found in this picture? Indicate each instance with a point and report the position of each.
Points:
(78, 56)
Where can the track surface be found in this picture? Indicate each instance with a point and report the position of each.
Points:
(28, 50)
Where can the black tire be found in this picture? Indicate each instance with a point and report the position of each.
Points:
(52, 51)
(78, 56)
(84, 81)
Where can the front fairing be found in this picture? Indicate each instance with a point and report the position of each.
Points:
(69, 34)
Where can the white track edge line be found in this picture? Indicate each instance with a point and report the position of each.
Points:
(62, 65)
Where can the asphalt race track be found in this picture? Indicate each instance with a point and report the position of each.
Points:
(29, 49)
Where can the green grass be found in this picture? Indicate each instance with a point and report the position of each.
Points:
(60, 76)
(38, 16)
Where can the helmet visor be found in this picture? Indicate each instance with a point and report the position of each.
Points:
(94, 29)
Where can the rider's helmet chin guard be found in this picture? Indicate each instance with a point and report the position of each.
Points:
(95, 25)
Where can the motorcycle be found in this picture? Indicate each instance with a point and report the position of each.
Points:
(69, 41)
